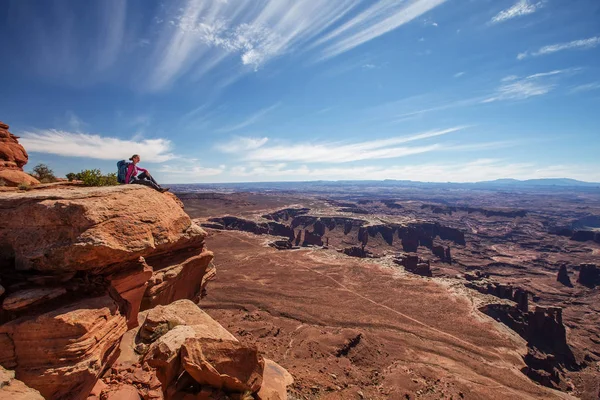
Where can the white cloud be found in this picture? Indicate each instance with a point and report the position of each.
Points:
(203, 34)
(515, 88)
(582, 44)
(470, 171)
(586, 87)
(521, 8)
(251, 149)
(382, 17)
(184, 173)
(241, 144)
(254, 118)
(71, 144)
(459, 74)
(520, 90)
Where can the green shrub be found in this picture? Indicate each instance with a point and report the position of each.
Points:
(43, 173)
(71, 176)
(24, 186)
(94, 177)
(2, 182)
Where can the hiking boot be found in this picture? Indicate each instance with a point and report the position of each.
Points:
(162, 190)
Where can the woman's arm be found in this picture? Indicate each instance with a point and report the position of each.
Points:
(143, 170)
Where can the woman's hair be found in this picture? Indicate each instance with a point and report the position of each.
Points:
(132, 157)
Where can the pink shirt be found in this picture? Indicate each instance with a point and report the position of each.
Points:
(133, 170)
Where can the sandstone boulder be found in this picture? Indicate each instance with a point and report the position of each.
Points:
(13, 389)
(223, 364)
(15, 177)
(164, 353)
(92, 228)
(167, 327)
(275, 382)
(12, 159)
(61, 353)
(161, 319)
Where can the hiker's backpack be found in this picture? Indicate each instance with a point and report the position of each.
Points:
(122, 171)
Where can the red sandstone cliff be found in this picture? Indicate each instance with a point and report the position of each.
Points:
(84, 276)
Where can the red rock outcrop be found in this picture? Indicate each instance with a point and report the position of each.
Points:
(14, 389)
(72, 263)
(412, 263)
(92, 229)
(155, 352)
(63, 352)
(79, 268)
(12, 159)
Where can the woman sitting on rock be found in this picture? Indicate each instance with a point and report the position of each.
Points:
(142, 179)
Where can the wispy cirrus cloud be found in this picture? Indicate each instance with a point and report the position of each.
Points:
(519, 9)
(516, 88)
(582, 44)
(511, 88)
(586, 87)
(69, 144)
(254, 149)
(241, 144)
(382, 17)
(201, 35)
(251, 120)
(180, 174)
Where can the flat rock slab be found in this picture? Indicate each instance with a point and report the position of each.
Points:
(73, 229)
(24, 298)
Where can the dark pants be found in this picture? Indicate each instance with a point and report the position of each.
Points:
(146, 180)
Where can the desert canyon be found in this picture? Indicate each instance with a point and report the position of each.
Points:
(324, 291)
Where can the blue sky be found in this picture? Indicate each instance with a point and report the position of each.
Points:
(272, 90)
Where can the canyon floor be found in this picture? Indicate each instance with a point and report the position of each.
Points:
(348, 327)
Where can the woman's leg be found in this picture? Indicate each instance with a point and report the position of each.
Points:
(144, 175)
(146, 182)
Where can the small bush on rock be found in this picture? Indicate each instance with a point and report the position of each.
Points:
(2, 182)
(94, 177)
(43, 173)
(24, 186)
(71, 176)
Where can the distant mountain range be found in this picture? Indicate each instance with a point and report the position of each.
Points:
(534, 185)
(540, 182)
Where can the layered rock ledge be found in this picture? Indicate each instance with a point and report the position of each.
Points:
(78, 269)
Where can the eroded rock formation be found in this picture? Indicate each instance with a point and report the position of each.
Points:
(310, 230)
(563, 276)
(12, 159)
(78, 268)
(548, 354)
(589, 275)
(413, 263)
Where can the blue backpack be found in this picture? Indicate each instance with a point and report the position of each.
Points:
(122, 171)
